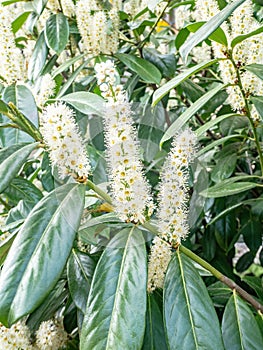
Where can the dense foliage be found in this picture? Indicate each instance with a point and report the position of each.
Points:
(131, 170)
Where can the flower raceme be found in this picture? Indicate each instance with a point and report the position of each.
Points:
(98, 27)
(172, 206)
(64, 142)
(131, 193)
(12, 66)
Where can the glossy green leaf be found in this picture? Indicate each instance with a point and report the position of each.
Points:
(244, 262)
(209, 125)
(255, 283)
(57, 32)
(258, 103)
(5, 246)
(214, 144)
(227, 189)
(186, 115)
(207, 29)
(218, 35)
(38, 58)
(252, 234)
(146, 70)
(224, 167)
(80, 271)
(50, 305)
(116, 307)
(23, 99)
(39, 252)
(11, 160)
(65, 65)
(243, 37)
(165, 63)
(256, 69)
(21, 188)
(39, 5)
(154, 338)
(85, 102)
(190, 318)
(239, 327)
(166, 88)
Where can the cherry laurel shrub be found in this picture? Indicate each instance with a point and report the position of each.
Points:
(131, 168)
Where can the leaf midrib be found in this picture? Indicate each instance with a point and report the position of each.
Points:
(187, 300)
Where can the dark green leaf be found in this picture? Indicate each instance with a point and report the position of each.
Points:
(255, 283)
(50, 305)
(252, 234)
(38, 58)
(190, 318)
(116, 308)
(11, 160)
(239, 327)
(219, 293)
(224, 167)
(186, 115)
(154, 338)
(165, 89)
(23, 189)
(244, 262)
(146, 70)
(57, 32)
(207, 29)
(85, 102)
(39, 252)
(227, 189)
(165, 63)
(80, 271)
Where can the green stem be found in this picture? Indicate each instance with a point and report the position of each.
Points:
(227, 281)
(7, 206)
(99, 191)
(248, 113)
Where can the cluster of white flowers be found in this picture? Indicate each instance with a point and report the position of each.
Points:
(45, 90)
(159, 259)
(66, 6)
(61, 135)
(131, 193)
(98, 27)
(172, 210)
(16, 337)
(247, 52)
(51, 335)
(173, 196)
(12, 64)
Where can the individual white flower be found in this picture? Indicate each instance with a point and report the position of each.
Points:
(46, 90)
(131, 193)
(173, 195)
(51, 335)
(12, 66)
(16, 337)
(65, 145)
(159, 259)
